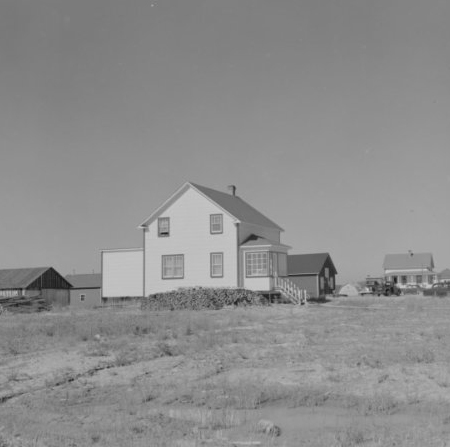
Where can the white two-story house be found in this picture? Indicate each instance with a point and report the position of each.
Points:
(201, 237)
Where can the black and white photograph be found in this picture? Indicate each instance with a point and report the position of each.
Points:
(224, 223)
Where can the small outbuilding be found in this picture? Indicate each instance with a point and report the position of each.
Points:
(86, 290)
(43, 282)
(314, 272)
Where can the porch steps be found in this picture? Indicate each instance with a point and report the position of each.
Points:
(291, 291)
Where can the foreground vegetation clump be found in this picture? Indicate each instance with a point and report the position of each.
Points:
(197, 298)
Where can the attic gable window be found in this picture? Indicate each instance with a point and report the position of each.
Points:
(216, 223)
(164, 227)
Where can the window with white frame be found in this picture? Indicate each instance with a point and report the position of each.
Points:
(216, 265)
(327, 272)
(256, 264)
(82, 296)
(172, 266)
(216, 223)
(419, 279)
(164, 227)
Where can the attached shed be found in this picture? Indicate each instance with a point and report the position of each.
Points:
(44, 282)
(314, 272)
(86, 290)
(122, 273)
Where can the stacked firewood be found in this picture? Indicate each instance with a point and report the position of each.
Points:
(197, 298)
(24, 304)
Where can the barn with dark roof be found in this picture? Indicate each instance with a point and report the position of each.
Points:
(44, 282)
(314, 272)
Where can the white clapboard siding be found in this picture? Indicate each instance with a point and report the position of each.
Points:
(122, 273)
(190, 236)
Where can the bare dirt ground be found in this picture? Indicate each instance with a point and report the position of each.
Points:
(352, 371)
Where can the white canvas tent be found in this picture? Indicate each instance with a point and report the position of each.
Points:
(349, 290)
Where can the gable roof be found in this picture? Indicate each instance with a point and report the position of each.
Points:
(85, 281)
(231, 204)
(258, 241)
(407, 261)
(311, 263)
(20, 278)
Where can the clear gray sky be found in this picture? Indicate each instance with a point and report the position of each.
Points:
(332, 117)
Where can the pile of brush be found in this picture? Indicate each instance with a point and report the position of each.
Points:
(24, 304)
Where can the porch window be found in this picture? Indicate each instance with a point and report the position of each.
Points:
(172, 266)
(164, 227)
(404, 279)
(419, 279)
(216, 223)
(216, 265)
(256, 264)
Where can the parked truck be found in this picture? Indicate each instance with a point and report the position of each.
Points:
(381, 286)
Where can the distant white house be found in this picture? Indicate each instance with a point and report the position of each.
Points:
(410, 269)
(201, 237)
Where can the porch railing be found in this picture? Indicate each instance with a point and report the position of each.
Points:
(291, 290)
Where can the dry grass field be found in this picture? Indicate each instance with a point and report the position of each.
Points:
(349, 372)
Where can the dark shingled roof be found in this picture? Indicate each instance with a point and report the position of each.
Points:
(311, 263)
(230, 203)
(20, 278)
(85, 281)
(405, 261)
(237, 207)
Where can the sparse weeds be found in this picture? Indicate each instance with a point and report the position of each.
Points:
(378, 404)
(349, 437)
(309, 397)
(420, 355)
(61, 377)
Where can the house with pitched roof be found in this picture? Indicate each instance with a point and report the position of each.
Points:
(201, 237)
(314, 272)
(410, 269)
(44, 282)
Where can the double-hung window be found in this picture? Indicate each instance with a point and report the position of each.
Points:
(172, 266)
(256, 264)
(216, 265)
(216, 223)
(164, 227)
